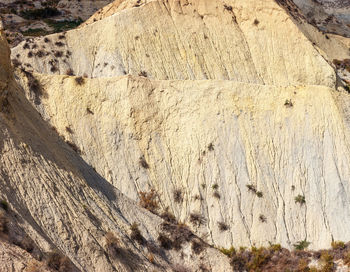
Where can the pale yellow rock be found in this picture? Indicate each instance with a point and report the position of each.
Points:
(61, 202)
(189, 40)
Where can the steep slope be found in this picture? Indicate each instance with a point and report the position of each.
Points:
(62, 204)
(264, 154)
(248, 41)
(283, 141)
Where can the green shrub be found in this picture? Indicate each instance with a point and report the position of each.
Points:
(228, 252)
(301, 245)
(300, 199)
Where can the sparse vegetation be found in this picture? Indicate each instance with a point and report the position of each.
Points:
(70, 72)
(256, 22)
(4, 205)
(60, 26)
(58, 262)
(262, 218)
(301, 245)
(228, 252)
(216, 195)
(79, 80)
(164, 241)
(197, 246)
(300, 199)
(338, 245)
(177, 194)
(215, 186)
(143, 162)
(148, 200)
(136, 234)
(259, 194)
(227, 7)
(211, 147)
(112, 243)
(143, 74)
(288, 103)
(197, 219)
(251, 188)
(222, 226)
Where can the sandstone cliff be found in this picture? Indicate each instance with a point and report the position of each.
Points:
(63, 205)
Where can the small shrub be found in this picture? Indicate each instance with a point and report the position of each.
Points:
(215, 186)
(136, 234)
(251, 188)
(301, 245)
(143, 74)
(177, 193)
(197, 246)
(40, 53)
(216, 195)
(168, 216)
(58, 262)
(53, 69)
(228, 252)
(300, 199)
(293, 187)
(70, 72)
(58, 54)
(61, 37)
(259, 194)
(288, 103)
(338, 245)
(256, 22)
(197, 219)
(4, 205)
(30, 54)
(275, 247)
(47, 40)
(79, 80)
(260, 256)
(262, 218)
(164, 241)
(112, 243)
(143, 162)
(148, 200)
(59, 44)
(222, 226)
(211, 147)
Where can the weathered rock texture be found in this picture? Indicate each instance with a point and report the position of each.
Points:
(239, 118)
(64, 205)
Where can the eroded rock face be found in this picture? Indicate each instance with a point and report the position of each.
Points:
(257, 146)
(64, 205)
(250, 41)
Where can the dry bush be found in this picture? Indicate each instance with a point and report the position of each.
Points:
(58, 262)
(216, 195)
(70, 72)
(143, 162)
(148, 200)
(79, 80)
(136, 234)
(197, 246)
(177, 193)
(223, 226)
(168, 216)
(164, 241)
(112, 243)
(197, 219)
(143, 74)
